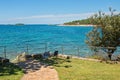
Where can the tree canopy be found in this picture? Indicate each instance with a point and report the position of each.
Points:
(78, 22)
(106, 33)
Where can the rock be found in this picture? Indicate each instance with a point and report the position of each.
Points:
(36, 56)
(28, 56)
(118, 58)
(4, 60)
(68, 57)
(20, 58)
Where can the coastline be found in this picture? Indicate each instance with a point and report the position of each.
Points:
(89, 25)
(81, 58)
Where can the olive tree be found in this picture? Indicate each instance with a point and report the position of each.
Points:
(106, 32)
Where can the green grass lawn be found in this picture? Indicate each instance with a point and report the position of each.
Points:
(10, 72)
(76, 69)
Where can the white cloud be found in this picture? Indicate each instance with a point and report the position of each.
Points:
(84, 15)
(48, 19)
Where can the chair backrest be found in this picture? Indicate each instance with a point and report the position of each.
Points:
(56, 53)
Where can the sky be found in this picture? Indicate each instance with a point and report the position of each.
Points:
(51, 11)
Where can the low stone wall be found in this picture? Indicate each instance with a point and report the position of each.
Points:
(23, 57)
(4, 60)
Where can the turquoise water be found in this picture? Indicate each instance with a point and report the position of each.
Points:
(41, 38)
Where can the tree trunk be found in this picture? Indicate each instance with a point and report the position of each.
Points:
(110, 56)
(110, 52)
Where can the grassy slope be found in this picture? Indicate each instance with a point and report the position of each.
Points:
(73, 69)
(10, 72)
(85, 70)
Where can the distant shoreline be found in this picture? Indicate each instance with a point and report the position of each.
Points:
(89, 25)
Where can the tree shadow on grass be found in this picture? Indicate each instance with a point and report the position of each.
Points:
(30, 65)
(33, 65)
(56, 61)
(8, 69)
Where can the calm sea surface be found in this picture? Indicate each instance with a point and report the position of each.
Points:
(40, 38)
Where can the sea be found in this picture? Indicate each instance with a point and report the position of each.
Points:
(34, 39)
